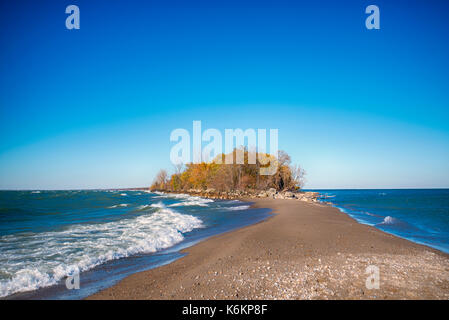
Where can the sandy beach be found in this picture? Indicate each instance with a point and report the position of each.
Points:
(304, 251)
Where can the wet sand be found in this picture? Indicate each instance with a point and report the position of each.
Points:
(304, 251)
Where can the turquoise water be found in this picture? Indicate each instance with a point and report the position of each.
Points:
(420, 215)
(103, 236)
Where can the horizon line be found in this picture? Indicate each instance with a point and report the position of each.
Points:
(304, 189)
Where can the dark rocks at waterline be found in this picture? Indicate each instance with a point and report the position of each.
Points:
(239, 194)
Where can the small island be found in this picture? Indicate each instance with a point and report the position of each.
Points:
(220, 180)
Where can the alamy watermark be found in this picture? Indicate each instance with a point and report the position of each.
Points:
(73, 20)
(373, 279)
(73, 281)
(371, 22)
(256, 144)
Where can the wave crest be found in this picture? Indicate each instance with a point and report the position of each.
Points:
(82, 247)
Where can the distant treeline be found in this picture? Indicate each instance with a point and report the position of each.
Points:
(245, 175)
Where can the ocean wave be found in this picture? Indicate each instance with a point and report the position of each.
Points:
(193, 201)
(245, 207)
(186, 199)
(119, 205)
(389, 220)
(342, 209)
(34, 260)
(230, 201)
(371, 214)
(172, 195)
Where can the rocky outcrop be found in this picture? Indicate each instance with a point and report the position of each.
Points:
(270, 193)
(289, 195)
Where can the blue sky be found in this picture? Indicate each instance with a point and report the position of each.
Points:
(94, 107)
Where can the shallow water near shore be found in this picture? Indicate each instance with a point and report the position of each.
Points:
(418, 215)
(104, 236)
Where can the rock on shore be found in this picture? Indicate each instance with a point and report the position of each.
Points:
(237, 194)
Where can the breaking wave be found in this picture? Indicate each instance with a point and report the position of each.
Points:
(389, 220)
(238, 208)
(119, 205)
(33, 260)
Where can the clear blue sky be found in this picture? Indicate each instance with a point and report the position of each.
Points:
(94, 107)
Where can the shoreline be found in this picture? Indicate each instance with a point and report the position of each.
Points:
(303, 251)
(110, 272)
(429, 246)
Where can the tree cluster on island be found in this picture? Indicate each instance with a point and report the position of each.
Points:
(223, 177)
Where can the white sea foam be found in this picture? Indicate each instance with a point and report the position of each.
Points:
(119, 205)
(231, 201)
(237, 208)
(193, 201)
(186, 199)
(123, 194)
(172, 195)
(389, 220)
(33, 260)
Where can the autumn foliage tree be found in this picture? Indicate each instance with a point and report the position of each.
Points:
(235, 176)
(161, 181)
